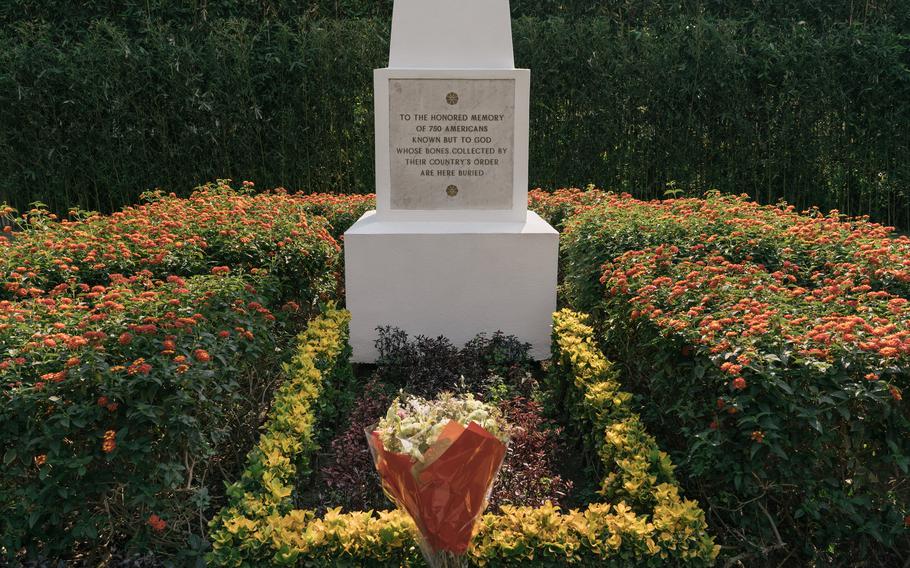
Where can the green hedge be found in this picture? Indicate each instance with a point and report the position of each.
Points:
(812, 114)
(770, 352)
(139, 13)
(135, 352)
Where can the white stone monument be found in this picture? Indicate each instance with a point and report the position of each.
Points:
(451, 249)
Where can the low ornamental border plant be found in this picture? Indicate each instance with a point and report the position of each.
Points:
(649, 525)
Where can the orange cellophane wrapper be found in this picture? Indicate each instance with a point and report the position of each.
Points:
(447, 492)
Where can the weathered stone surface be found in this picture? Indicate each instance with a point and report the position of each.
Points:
(451, 143)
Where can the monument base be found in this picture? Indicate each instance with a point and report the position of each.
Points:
(455, 279)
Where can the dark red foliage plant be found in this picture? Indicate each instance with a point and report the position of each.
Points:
(528, 476)
(350, 475)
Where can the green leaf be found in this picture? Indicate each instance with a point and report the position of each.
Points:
(782, 385)
(777, 450)
(9, 456)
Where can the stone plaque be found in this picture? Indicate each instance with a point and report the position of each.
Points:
(451, 143)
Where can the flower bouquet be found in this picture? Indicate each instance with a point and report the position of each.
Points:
(438, 461)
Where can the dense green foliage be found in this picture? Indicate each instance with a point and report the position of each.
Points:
(631, 12)
(768, 352)
(771, 351)
(806, 101)
(134, 363)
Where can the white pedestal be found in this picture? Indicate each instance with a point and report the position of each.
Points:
(455, 279)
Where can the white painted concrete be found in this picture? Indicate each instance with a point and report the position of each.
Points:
(454, 279)
(475, 263)
(451, 34)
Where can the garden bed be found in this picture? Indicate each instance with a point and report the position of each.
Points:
(137, 352)
(140, 353)
(542, 463)
(770, 351)
(638, 516)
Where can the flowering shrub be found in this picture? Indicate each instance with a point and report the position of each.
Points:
(126, 343)
(773, 350)
(811, 246)
(217, 229)
(341, 211)
(558, 207)
(112, 403)
(260, 527)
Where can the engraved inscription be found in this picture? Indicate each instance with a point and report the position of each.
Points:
(450, 143)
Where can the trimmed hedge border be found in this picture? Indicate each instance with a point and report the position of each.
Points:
(770, 351)
(650, 525)
(110, 395)
(135, 352)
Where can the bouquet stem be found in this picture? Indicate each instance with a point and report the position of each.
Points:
(443, 558)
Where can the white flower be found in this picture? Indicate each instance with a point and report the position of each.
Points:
(412, 426)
